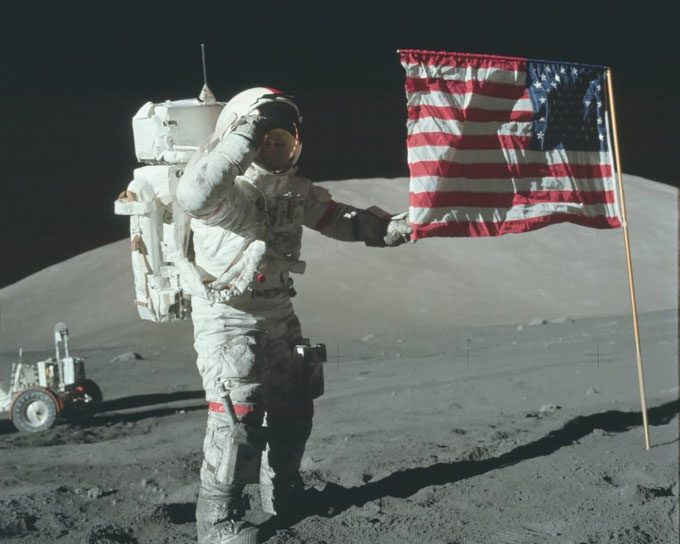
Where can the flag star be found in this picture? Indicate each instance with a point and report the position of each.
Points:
(601, 137)
(599, 87)
(543, 77)
(542, 100)
(538, 85)
(542, 119)
(587, 103)
(557, 77)
(553, 85)
(599, 104)
(574, 72)
(562, 70)
(599, 121)
(540, 135)
(548, 69)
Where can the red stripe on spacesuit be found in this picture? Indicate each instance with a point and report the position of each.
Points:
(327, 215)
(245, 409)
(240, 409)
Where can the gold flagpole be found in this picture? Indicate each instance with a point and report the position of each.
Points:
(636, 330)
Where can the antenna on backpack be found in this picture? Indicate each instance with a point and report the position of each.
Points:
(206, 96)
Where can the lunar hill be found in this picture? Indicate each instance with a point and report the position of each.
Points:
(350, 290)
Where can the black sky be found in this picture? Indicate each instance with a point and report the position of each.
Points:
(74, 73)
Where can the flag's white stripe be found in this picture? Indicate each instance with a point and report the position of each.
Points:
(509, 156)
(515, 213)
(465, 73)
(432, 184)
(467, 100)
(457, 128)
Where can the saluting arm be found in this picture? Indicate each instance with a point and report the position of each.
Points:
(210, 174)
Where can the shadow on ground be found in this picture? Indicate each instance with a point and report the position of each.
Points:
(334, 499)
(136, 401)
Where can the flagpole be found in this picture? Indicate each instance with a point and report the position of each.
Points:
(631, 285)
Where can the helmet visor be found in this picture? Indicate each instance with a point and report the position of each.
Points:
(277, 151)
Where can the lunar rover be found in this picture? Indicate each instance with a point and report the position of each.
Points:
(41, 392)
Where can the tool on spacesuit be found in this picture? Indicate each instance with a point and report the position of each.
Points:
(228, 404)
(240, 463)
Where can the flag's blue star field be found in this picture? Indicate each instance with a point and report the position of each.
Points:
(568, 104)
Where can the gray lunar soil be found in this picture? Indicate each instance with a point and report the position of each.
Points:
(477, 391)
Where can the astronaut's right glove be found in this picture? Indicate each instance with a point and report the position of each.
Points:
(210, 173)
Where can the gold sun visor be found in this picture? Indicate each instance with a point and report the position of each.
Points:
(278, 151)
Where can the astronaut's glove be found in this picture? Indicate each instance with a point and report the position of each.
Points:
(252, 127)
(378, 228)
(260, 121)
(398, 230)
(236, 279)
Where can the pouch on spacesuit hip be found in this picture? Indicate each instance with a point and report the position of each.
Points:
(311, 358)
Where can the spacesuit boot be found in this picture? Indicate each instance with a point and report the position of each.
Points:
(219, 521)
(231, 459)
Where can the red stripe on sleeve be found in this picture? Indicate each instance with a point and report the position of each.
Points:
(327, 215)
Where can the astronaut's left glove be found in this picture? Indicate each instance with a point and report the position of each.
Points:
(377, 228)
(398, 230)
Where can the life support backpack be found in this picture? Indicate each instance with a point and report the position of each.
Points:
(166, 135)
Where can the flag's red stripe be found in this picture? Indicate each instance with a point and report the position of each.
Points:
(498, 228)
(487, 88)
(491, 141)
(469, 114)
(507, 200)
(505, 170)
(446, 58)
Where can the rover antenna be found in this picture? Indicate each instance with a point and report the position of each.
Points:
(206, 96)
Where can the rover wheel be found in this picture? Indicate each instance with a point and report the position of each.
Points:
(34, 410)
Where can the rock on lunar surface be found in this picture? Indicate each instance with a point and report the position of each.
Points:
(127, 356)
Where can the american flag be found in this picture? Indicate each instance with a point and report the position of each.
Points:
(500, 145)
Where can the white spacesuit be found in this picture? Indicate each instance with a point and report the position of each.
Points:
(241, 189)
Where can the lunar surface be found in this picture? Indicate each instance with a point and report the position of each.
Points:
(477, 391)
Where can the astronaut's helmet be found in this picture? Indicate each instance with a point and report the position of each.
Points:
(282, 146)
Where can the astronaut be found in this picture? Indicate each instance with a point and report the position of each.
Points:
(240, 189)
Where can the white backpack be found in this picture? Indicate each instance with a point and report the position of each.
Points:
(166, 136)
